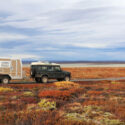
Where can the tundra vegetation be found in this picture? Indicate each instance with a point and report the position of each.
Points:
(63, 103)
(91, 72)
(66, 103)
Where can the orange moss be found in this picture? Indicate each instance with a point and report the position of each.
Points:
(91, 92)
(94, 102)
(67, 84)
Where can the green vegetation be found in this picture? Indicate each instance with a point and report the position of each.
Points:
(28, 94)
(3, 89)
(45, 104)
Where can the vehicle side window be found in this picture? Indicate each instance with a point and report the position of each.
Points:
(38, 68)
(50, 68)
(33, 67)
(57, 68)
(44, 68)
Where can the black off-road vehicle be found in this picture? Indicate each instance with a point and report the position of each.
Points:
(41, 72)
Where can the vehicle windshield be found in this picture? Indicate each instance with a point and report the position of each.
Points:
(57, 68)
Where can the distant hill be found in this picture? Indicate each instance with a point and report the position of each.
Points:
(66, 62)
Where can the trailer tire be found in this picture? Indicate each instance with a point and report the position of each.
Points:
(5, 80)
(38, 80)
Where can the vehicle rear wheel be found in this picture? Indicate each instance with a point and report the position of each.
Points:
(67, 78)
(44, 79)
(5, 80)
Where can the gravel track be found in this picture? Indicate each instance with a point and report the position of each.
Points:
(73, 80)
(101, 79)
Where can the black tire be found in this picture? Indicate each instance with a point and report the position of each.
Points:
(5, 80)
(44, 79)
(38, 80)
(59, 79)
(67, 78)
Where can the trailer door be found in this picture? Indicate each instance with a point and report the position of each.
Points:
(16, 69)
(19, 69)
(13, 69)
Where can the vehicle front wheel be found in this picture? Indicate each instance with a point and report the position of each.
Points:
(67, 78)
(5, 80)
(44, 79)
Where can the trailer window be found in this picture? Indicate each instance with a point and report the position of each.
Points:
(4, 64)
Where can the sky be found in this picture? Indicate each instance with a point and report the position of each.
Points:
(69, 30)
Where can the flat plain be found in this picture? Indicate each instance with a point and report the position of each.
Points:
(90, 72)
(66, 103)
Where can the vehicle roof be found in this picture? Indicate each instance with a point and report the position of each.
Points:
(45, 63)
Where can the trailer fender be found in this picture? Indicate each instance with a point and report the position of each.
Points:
(4, 75)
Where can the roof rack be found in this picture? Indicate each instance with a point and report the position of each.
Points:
(43, 63)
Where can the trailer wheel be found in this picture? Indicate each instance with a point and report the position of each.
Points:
(44, 79)
(5, 80)
(38, 80)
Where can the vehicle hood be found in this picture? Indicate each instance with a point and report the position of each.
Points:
(66, 72)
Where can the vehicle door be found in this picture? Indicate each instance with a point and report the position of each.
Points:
(42, 69)
(50, 71)
(58, 72)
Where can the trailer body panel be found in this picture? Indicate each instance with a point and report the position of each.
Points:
(11, 67)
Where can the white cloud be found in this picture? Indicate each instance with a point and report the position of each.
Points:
(21, 56)
(90, 45)
(11, 36)
(56, 25)
(25, 56)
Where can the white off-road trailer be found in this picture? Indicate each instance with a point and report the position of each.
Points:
(10, 69)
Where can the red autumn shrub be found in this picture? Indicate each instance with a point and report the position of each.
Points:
(91, 92)
(94, 102)
(36, 118)
(54, 93)
(118, 86)
(60, 94)
(115, 108)
(25, 86)
(28, 99)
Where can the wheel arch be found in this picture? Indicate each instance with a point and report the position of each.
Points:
(45, 75)
(68, 75)
(4, 76)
